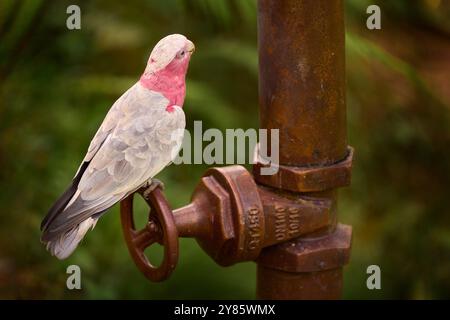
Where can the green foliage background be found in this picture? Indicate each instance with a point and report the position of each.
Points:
(56, 86)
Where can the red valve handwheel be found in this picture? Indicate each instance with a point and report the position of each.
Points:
(159, 228)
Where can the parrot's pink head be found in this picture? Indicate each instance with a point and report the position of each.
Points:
(166, 68)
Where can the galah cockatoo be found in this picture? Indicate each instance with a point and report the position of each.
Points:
(141, 134)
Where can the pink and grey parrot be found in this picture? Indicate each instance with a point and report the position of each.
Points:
(141, 134)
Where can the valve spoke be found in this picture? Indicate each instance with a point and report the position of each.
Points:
(143, 239)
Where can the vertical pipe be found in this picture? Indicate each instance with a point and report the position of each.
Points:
(302, 93)
(302, 78)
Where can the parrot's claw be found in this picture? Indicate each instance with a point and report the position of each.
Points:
(152, 185)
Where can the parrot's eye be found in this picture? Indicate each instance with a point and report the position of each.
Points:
(181, 54)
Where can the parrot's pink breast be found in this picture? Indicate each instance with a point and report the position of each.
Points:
(170, 83)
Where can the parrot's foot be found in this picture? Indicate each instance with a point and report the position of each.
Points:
(151, 185)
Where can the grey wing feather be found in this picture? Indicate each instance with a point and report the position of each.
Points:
(137, 139)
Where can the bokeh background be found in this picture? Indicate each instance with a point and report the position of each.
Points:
(56, 86)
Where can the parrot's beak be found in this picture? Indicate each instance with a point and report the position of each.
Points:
(190, 47)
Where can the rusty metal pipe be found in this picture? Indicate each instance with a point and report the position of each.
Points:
(188, 220)
(302, 93)
(302, 78)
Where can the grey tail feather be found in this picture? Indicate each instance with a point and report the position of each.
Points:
(64, 245)
(64, 199)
